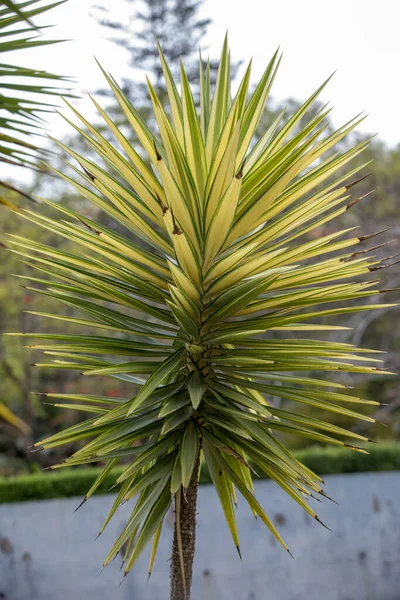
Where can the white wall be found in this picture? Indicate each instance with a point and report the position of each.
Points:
(49, 553)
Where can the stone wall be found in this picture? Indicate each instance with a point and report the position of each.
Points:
(48, 553)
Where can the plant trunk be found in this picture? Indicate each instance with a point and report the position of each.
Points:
(180, 586)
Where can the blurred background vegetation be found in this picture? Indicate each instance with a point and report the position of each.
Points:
(180, 30)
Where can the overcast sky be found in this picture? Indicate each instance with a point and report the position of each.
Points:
(357, 38)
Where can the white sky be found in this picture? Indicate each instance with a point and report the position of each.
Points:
(358, 38)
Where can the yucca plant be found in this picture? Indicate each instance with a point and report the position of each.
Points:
(210, 260)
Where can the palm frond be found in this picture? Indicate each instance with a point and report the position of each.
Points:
(26, 94)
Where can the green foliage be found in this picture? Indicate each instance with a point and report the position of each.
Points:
(214, 258)
(333, 461)
(41, 486)
(76, 482)
(22, 89)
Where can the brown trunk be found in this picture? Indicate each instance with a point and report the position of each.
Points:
(180, 587)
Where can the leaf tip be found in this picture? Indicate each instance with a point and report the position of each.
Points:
(350, 185)
(322, 523)
(81, 504)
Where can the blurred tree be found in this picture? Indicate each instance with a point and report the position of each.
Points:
(180, 30)
(177, 25)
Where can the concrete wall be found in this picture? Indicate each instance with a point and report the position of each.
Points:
(49, 553)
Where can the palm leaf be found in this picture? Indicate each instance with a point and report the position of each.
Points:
(23, 103)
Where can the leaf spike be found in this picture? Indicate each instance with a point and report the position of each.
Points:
(395, 263)
(239, 174)
(366, 250)
(176, 230)
(315, 498)
(88, 173)
(10, 187)
(322, 523)
(357, 200)
(38, 449)
(357, 448)
(328, 497)
(290, 554)
(81, 504)
(123, 578)
(164, 208)
(390, 257)
(238, 551)
(386, 291)
(87, 225)
(362, 238)
(379, 267)
(350, 185)
(158, 155)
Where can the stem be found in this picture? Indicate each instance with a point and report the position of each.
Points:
(186, 527)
